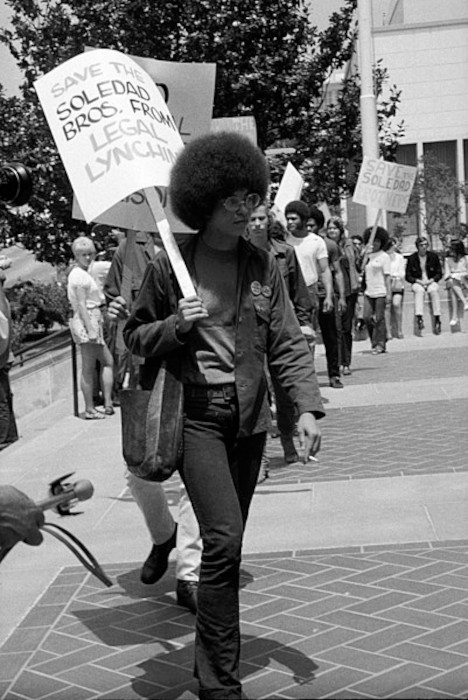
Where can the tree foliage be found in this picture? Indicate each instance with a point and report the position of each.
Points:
(271, 63)
(436, 199)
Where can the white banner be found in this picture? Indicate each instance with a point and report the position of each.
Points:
(191, 110)
(384, 185)
(113, 130)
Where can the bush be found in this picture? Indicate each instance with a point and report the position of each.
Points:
(36, 306)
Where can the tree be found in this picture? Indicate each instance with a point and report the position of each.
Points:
(271, 63)
(435, 198)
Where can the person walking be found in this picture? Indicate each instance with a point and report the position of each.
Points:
(423, 272)
(329, 319)
(129, 263)
(266, 232)
(240, 317)
(378, 292)
(352, 284)
(8, 429)
(86, 326)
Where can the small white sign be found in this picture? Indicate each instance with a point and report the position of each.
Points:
(113, 130)
(290, 188)
(384, 185)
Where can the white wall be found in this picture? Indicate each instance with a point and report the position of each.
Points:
(430, 66)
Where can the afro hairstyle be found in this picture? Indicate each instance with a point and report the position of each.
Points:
(317, 216)
(297, 206)
(211, 168)
(380, 235)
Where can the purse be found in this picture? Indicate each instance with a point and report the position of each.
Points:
(396, 284)
(152, 425)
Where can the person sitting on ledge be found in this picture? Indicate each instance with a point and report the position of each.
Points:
(423, 272)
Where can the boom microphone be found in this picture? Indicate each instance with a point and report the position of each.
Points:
(79, 491)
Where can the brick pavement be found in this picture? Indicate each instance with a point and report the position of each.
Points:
(360, 622)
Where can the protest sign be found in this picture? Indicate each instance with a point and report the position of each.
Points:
(111, 125)
(290, 187)
(384, 185)
(245, 126)
(191, 110)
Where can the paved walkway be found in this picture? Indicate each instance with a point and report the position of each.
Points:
(355, 574)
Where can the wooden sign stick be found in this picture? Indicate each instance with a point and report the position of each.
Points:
(169, 242)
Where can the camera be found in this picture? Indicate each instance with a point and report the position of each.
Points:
(15, 184)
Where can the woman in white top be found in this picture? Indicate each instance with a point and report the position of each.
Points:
(377, 293)
(86, 326)
(456, 278)
(394, 310)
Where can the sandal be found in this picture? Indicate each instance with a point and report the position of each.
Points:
(94, 415)
(109, 411)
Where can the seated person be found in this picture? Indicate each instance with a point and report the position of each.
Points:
(423, 272)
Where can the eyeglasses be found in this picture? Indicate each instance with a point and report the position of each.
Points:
(234, 203)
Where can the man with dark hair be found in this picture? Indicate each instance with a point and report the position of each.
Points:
(423, 272)
(327, 318)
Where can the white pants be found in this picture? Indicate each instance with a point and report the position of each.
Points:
(419, 293)
(151, 499)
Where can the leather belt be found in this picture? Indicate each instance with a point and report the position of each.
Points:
(210, 392)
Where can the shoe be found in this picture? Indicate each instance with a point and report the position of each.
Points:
(264, 472)
(94, 415)
(453, 321)
(437, 326)
(420, 321)
(156, 565)
(400, 336)
(346, 371)
(335, 383)
(289, 449)
(109, 411)
(186, 592)
(378, 350)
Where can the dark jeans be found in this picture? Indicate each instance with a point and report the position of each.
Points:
(374, 318)
(347, 329)
(8, 430)
(327, 323)
(220, 472)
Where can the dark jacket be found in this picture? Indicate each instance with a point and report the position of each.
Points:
(289, 267)
(143, 253)
(433, 267)
(266, 327)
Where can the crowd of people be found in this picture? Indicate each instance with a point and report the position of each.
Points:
(243, 346)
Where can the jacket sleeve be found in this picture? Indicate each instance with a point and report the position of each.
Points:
(298, 291)
(437, 268)
(288, 354)
(411, 270)
(114, 276)
(150, 330)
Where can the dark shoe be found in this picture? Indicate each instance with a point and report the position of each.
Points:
(289, 449)
(420, 321)
(437, 326)
(109, 411)
(156, 565)
(346, 371)
(335, 383)
(187, 595)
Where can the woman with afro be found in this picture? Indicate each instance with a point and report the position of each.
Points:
(218, 341)
(378, 292)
